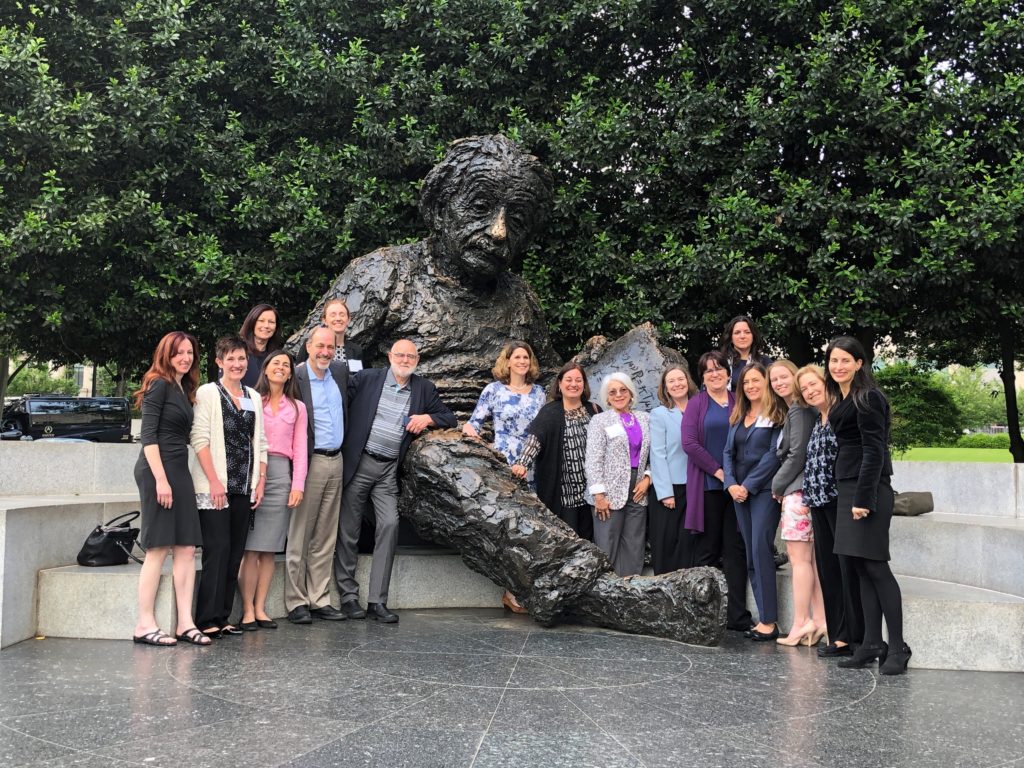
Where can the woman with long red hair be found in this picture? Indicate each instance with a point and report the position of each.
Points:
(170, 519)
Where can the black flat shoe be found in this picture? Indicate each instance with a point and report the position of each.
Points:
(300, 615)
(743, 627)
(762, 637)
(380, 612)
(352, 610)
(230, 629)
(864, 655)
(832, 651)
(248, 626)
(895, 662)
(267, 623)
(328, 613)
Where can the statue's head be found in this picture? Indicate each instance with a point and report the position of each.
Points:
(483, 203)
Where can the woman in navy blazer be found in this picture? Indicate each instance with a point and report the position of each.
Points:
(750, 462)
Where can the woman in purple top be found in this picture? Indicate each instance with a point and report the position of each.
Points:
(618, 444)
(710, 512)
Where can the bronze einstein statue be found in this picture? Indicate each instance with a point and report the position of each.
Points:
(454, 296)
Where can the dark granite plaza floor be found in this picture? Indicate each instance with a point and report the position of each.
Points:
(483, 688)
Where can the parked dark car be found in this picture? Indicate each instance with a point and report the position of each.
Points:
(38, 417)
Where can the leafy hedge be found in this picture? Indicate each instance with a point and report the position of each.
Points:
(982, 440)
(923, 412)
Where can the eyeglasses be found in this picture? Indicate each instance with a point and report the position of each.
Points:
(404, 355)
(617, 392)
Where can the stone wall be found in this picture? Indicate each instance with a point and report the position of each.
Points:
(965, 488)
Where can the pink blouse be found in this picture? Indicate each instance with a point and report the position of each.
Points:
(286, 436)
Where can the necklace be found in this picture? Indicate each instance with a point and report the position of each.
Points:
(238, 396)
(628, 422)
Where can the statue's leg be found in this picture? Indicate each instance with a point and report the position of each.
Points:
(460, 494)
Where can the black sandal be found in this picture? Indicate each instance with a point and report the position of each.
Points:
(230, 629)
(156, 637)
(194, 637)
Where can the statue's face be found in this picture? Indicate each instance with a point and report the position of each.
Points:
(487, 222)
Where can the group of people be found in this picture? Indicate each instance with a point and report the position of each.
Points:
(290, 453)
(281, 448)
(756, 445)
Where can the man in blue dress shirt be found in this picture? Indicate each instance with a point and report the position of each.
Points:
(323, 385)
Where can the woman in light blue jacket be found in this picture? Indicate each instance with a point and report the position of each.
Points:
(618, 444)
(671, 544)
(750, 462)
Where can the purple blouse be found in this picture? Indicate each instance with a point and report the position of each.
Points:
(636, 437)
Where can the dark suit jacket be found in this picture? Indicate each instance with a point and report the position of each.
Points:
(364, 394)
(863, 438)
(340, 373)
(754, 463)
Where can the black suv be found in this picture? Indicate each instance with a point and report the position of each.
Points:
(37, 417)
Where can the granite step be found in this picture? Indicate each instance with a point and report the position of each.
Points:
(978, 551)
(948, 625)
(101, 603)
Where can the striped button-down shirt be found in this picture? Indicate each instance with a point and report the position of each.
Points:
(392, 415)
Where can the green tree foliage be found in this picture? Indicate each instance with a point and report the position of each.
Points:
(828, 168)
(981, 403)
(39, 380)
(923, 411)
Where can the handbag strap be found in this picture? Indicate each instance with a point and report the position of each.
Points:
(128, 551)
(130, 515)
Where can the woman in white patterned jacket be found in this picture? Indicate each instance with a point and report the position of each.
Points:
(618, 444)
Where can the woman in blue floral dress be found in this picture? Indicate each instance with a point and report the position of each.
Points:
(510, 403)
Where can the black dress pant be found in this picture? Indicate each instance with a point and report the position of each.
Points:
(224, 534)
(671, 544)
(580, 519)
(722, 546)
(840, 587)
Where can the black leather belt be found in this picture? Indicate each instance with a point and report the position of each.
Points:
(323, 452)
(378, 457)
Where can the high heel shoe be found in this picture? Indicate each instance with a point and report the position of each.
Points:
(895, 663)
(815, 637)
(864, 655)
(803, 635)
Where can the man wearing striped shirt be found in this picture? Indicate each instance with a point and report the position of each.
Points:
(388, 408)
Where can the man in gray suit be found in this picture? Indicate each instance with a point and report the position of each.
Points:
(391, 407)
(313, 530)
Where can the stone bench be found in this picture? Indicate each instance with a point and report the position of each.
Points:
(102, 602)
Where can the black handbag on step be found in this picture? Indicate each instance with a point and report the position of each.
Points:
(111, 543)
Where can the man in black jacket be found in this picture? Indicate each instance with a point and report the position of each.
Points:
(388, 408)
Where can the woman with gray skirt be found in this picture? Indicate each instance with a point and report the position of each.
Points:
(618, 444)
(284, 422)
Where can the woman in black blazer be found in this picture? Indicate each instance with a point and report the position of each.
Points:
(861, 419)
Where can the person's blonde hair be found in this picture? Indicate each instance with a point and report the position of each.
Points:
(501, 370)
(818, 371)
(790, 366)
(773, 407)
(691, 389)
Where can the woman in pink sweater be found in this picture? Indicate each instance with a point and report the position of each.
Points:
(284, 421)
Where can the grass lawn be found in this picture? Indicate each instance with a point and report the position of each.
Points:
(999, 455)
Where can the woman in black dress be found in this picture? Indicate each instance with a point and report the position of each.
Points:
(170, 521)
(860, 419)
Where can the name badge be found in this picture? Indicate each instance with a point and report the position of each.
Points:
(245, 403)
(615, 430)
(355, 366)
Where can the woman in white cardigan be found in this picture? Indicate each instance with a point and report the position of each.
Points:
(231, 448)
(618, 444)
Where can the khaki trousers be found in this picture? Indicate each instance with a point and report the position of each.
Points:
(312, 533)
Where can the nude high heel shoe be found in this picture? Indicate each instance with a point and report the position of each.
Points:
(805, 633)
(815, 637)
